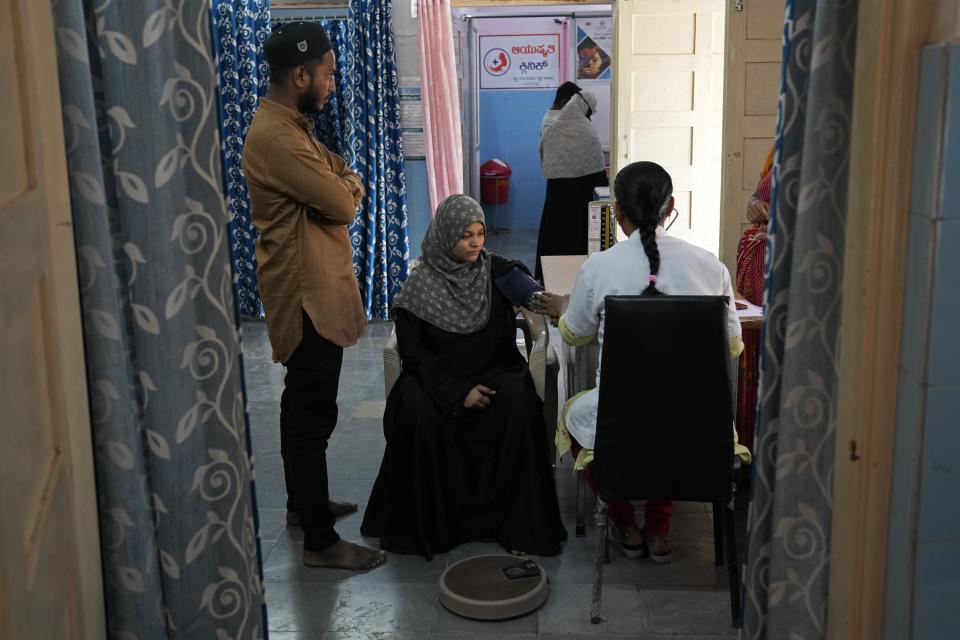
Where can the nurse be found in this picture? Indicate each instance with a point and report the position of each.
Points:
(648, 263)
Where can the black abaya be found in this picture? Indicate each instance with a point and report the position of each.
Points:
(563, 223)
(451, 475)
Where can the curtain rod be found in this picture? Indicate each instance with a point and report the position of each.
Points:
(523, 15)
(595, 13)
(312, 18)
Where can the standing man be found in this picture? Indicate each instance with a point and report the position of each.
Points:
(304, 197)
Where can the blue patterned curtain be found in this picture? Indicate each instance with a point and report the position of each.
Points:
(239, 29)
(361, 122)
(372, 101)
(788, 548)
(174, 476)
(331, 124)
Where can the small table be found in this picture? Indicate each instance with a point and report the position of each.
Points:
(559, 272)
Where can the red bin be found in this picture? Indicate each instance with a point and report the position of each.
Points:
(494, 181)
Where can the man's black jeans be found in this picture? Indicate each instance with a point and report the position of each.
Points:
(308, 415)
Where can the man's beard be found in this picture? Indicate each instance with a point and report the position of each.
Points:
(309, 101)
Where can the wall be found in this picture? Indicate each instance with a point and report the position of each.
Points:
(418, 204)
(516, 139)
(509, 127)
(509, 121)
(510, 130)
(406, 40)
(923, 564)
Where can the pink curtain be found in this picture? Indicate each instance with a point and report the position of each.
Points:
(441, 104)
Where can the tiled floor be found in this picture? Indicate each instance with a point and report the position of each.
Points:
(687, 599)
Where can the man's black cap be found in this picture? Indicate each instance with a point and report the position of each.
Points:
(295, 43)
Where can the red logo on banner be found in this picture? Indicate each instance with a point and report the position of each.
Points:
(496, 62)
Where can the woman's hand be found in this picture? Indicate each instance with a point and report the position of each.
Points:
(550, 304)
(758, 211)
(479, 397)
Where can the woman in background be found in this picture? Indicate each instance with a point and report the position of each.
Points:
(751, 256)
(573, 165)
(564, 92)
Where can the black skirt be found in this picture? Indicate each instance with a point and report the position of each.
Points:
(563, 223)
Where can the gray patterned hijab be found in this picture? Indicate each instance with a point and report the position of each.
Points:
(451, 295)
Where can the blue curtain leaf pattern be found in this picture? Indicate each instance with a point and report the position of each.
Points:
(239, 30)
(788, 547)
(329, 126)
(381, 245)
(177, 509)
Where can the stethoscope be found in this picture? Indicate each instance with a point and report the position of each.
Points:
(675, 218)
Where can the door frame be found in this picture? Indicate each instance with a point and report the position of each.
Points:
(890, 35)
(740, 51)
(42, 96)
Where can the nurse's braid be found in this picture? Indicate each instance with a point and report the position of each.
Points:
(643, 190)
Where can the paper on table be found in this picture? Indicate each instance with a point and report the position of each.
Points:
(748, 310)
(559, 272)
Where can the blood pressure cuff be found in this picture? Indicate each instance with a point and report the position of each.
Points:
(517, 286)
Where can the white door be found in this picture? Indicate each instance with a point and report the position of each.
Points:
(50, 584)
(755, 33)
(668, 83)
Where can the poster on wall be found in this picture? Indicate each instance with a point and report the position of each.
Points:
(411, 112)
(520, 61)
(411, 124)
(414, 144)
(594, 49)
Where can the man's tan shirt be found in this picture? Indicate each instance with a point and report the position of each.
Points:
(304, 198)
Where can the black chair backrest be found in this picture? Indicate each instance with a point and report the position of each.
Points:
(665, 417)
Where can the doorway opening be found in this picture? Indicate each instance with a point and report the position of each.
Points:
(511, 60)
